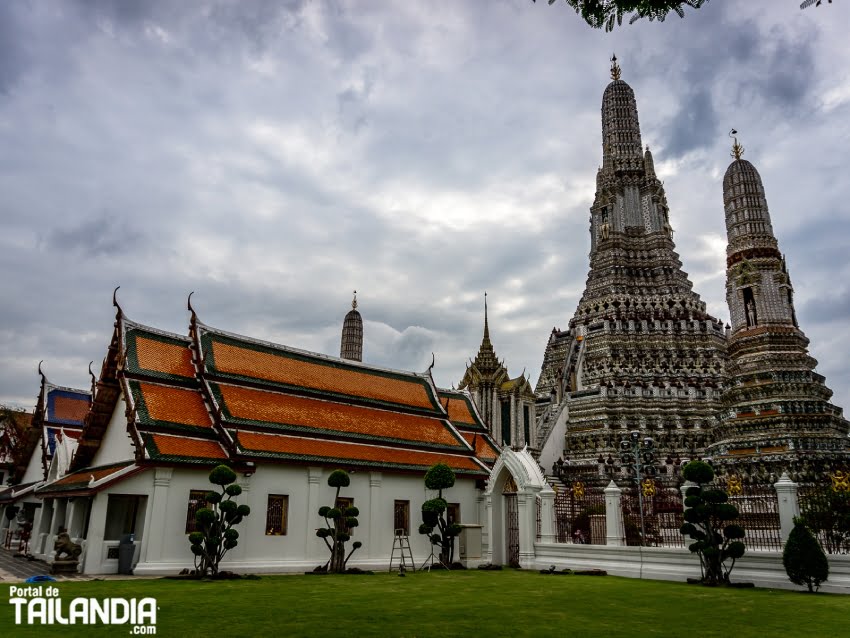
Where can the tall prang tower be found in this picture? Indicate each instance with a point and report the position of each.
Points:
(351, 344)
(776, 410)
(641, 352)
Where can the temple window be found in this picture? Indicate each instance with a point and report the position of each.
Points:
(506, 422)
(277, 512)
(526, 424)
(197, 500)
(401, 518)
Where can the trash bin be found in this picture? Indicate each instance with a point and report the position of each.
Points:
(126, 550)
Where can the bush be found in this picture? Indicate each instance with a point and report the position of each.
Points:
(434, 525)
(215, 535)
(707, 522)
(803, 558)
(337, 523)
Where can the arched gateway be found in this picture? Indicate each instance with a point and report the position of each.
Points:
(515, 491)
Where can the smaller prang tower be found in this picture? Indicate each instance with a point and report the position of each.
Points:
(506, 405)
(351, 346)
(776, 412)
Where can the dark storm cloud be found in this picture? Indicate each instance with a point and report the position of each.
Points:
(274, 156)
(14, 56)
(694, 125)
(98, 235)
(731, 64)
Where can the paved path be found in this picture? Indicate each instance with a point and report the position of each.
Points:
(14, 568)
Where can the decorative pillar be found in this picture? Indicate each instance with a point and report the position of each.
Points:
(94, 539)
(59, 508)
(615, 531)
(481, 507)
(158, 513)
(487, 534)
(789, 506)
(376, 536)
(527, 519)
(547, 515)
(70, 513)
(42, 526)
(514, 429)
(314, 475)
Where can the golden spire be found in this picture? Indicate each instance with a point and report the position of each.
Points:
(737, 149)
(615, 68)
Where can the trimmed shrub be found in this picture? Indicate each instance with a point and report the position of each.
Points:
(708, 522)
(434, 525)
(337, 523)
(215, 535)
(803, 558)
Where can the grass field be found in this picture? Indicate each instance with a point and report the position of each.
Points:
(441, 604)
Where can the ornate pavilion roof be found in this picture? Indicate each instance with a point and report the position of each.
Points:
(465, 417)
(217, 397)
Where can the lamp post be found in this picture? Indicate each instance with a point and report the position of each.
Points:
(638, 457)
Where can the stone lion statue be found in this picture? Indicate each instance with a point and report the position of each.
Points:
(64, 545)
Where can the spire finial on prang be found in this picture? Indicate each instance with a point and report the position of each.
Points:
(615, 68)
(354, 301)
(737, 149)
(486, 324)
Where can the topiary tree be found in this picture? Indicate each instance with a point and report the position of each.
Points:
(803, 558)
(215, 535)
(708, 521)
(338, 523)
(439, 477)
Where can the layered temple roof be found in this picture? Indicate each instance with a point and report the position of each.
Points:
(466, 419)
(59, 413)
(217, 397)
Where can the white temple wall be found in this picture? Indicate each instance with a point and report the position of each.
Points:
(164, 548)
(116, 445)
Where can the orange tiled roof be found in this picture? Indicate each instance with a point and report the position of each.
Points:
(159, 356)
(174, 405)
(341, 379)
(459, 412)
(483, 449)
(297, 447)
(70, 409)
(257, 405)
(85, 476)
(181, 446)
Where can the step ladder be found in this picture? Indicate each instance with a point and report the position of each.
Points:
(401, 544)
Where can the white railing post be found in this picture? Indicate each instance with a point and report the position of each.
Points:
(789, 506)
(615, 531)
(547, 515)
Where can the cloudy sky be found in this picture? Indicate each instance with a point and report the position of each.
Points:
(274, 155)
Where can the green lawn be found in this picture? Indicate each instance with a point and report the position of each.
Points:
(440, 604)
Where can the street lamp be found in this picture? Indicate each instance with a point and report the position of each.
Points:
(638, 457)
